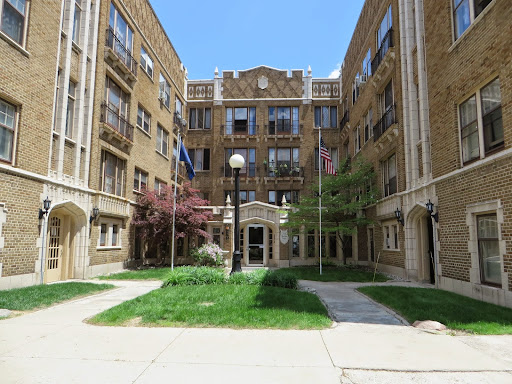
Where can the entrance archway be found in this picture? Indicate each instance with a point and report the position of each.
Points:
(422, 244)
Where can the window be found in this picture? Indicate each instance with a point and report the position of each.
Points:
(200, 118)
(7, 130)
(488, 249)
(326, 117)
(240, 121)
(465, 12)
(367, 65)
(333, 151)
(245, 196)
(283, 120)
(295, 246)
(70, 113)
(385, 26)
(13, 22)
(112, 177)
(249, 168)
(200, 158)
(110, 235)
(76, 23)
(146, 62)
(122, 31)
(216, 235)
(311, 243)
(143, 120)
(179, 105)
(368, 125)
(355, 89)
(117, 102)
(164, 94)
(389, 182)
(276, 197)
(481, 122)
(283, 162)
(391, 236)
(357, 139)
(140, 180)
(162, 140)
(159, 185)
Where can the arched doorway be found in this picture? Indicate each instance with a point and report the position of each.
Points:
(425, 248)
(65, 222)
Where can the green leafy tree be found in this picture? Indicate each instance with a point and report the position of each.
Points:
(344, 198)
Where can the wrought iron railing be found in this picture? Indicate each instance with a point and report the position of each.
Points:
(113, 42)
(284, 169)
(249, 170)
(249, 129)
(387, 120)
(284, 127)
(115, 121)
(345, 119)
(387, 42)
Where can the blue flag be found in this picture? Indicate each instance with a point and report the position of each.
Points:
(184, 157)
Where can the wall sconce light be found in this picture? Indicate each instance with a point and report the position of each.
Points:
(398, 215)
(94, 215)
(46, 208)
(430, 210)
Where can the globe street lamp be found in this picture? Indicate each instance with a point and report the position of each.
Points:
(237, 162)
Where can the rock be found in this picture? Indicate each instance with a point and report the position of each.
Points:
(5, 313)
(429, 325)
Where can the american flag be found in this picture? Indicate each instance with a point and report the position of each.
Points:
(324, 154)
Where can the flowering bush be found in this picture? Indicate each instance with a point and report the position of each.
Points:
(208, 254)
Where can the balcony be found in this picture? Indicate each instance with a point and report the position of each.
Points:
(179, 121)
(345, 119)
(239, 130)
(115, 126)
(120, 57)
(387, 43)
(284, 169)
(112, 205)
(387, 120)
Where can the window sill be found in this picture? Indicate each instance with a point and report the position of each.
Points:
(76, 48)
(69, 140)
(111, 248)
(391, 250)
(147, 74)
(14, 44)
(161, 154)
(467, 31)
(143, 131)
(137, 192)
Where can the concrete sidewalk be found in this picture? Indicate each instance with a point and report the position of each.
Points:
(55, 346)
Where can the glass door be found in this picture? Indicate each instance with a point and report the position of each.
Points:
(256, 244)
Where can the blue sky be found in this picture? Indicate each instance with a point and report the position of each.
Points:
(235, 35)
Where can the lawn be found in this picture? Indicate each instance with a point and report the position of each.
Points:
(40, 296)
(233, 306)
(331, 273)
(455, 311)
(139, 274)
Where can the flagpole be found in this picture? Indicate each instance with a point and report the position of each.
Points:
(174, 203)
(320, 192)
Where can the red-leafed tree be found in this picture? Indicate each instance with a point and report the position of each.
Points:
(153, 215)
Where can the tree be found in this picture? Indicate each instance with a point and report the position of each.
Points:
(344, 198)
(153, 215)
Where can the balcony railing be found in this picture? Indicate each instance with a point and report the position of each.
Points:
(387, 120)
(387, 42)
(284, 127)
(115, 121)
(345, 119)
(249, 129)
(284, 169)
(121, 51)
(249, 170)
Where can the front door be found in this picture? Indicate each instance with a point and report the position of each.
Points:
(53, 260)
(256, 245)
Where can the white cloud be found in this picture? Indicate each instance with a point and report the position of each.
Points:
(336, 72)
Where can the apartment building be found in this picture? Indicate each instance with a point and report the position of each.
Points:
(88, 119)
(270, 117)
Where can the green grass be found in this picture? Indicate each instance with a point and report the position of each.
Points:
(141, 274)
(331, 273)
(455, 311)
(233, 306)
(40, 296)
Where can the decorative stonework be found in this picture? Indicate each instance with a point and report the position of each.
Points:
(262, 82)
(200, 91)
(323, 89)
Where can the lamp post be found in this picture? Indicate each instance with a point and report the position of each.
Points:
(43, 216)
(435, 216)
(237, 162)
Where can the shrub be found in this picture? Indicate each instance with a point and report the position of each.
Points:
(195, 276)
(208, 255)
(280, 279)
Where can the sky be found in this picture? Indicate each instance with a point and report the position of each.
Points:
(237, 35)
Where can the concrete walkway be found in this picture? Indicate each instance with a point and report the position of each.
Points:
(55, 346)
